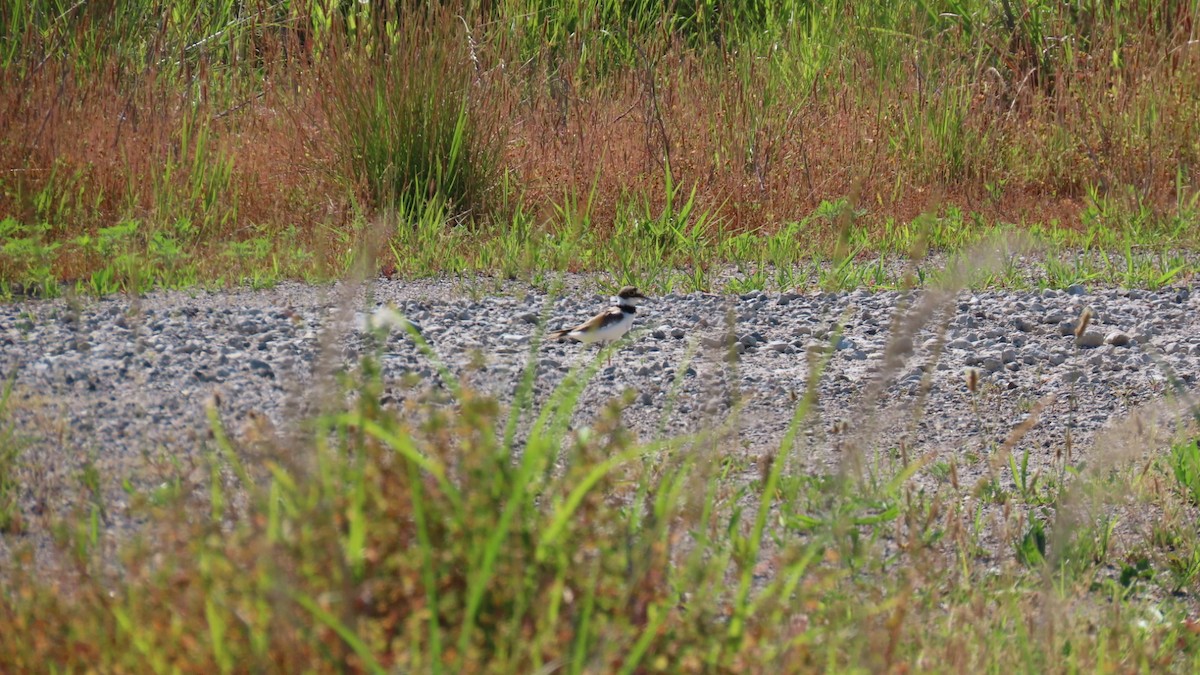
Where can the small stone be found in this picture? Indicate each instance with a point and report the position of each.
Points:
(677, 333)
(1076, 289)
(1054, 316)
(1117, 339)
(778, 346)
(203, 375)
(1090, 339)
(1008, 355)
(262, 368)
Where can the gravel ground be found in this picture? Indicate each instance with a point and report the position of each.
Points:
(109, 383)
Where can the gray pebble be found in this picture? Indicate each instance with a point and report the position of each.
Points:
(262, 368)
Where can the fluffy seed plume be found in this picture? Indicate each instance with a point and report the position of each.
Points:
(1085, 318)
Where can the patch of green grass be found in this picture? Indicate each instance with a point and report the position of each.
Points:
(410, 120)
(1185, 464)
(11, 521)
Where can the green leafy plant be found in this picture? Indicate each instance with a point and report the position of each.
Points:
(1185, 464)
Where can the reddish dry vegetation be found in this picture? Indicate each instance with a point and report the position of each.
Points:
(99, 144)
(83, 146)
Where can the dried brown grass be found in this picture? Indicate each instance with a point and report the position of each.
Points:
(759, 153)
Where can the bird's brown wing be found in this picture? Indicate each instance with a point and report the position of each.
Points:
(598, 321)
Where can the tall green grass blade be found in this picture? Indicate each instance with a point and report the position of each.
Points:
(403, 445)
(428, 569)
(348, 636)
(225, 448)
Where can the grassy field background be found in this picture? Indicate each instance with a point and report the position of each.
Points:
(156, 144)
(247, 142)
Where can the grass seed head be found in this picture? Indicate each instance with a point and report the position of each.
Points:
(972, 377)
(1085, 318)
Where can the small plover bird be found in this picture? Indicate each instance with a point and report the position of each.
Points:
(609, 325)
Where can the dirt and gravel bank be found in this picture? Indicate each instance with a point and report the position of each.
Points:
(107, 384)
